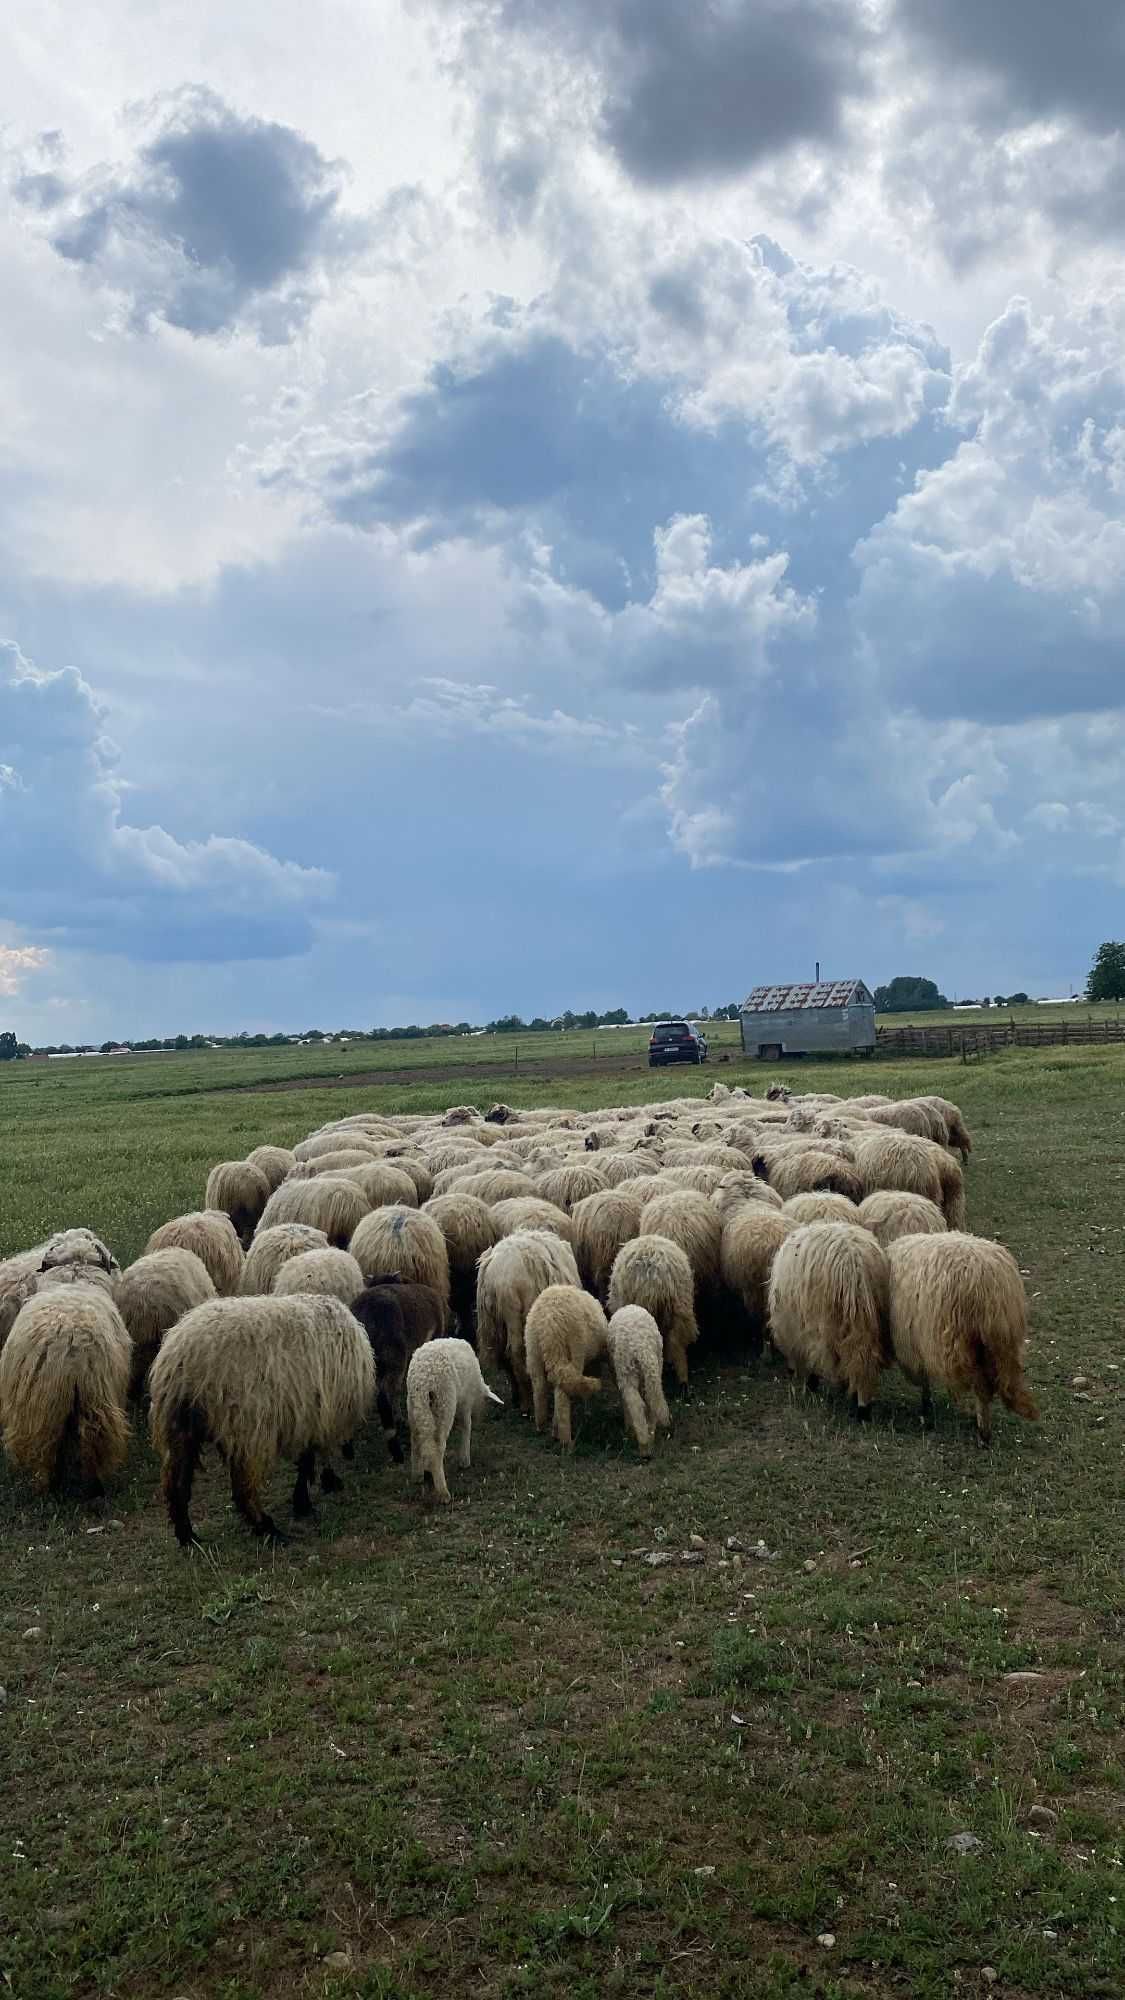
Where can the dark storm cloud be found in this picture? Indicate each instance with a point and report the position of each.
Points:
(1044, 57)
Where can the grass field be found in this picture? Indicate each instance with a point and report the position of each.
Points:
(496, 1753)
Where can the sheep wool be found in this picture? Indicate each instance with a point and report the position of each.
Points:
(636, 1353)
(828, 1307)
(530, 1212)
(565, 1332)
(890, 1214)
(212, 1237)
(468, 1226)
(403, 1243)
(735, 1190)
(751, 1239)
(272, 1161)
(510, 1278)
(241, 1191)
(386, 1185)
(958, 1314)
(152, 1294)
(444, 1386)
(822, 1208)
(569, 1184)
(808, 1170)
(602, 1223)
(654, 1272)
(261, 1379)
(64, 1378)
(691, 1220)
(332, 1274)
(270, 1250)
(335, 1206)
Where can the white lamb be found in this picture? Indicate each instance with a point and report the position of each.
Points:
(637, 1353)
(444, 1386)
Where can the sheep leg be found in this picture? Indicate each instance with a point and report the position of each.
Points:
(677, 1355)
(330, 1480)
(539, 1396)
(562, 1419)
(390, 1428)
(984, 1420)
(244, 1492)
(927, 1406)
(348, 1450)
(302, 1498)
(521, 1382)
(464, 1455)
(185, 1448)
(435, 1472)
(862, 1412)
(636, 1418)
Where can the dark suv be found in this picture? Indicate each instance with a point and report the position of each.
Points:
(676, 1041)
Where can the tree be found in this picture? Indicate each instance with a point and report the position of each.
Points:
(1107, 974)
(908, 996)
(9, 1047)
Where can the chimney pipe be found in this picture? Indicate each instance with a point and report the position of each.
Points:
(818, 972)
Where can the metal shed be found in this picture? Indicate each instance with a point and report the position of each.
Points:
(827, 1017)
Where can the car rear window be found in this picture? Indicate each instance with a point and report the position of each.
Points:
(677, 1032)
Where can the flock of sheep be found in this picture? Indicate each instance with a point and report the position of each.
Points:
(319, 1283)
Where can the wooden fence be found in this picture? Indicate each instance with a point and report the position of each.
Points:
(969, 1043)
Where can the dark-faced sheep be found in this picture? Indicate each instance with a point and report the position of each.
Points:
(636, 1352)
(397, 1318)
(828, 1308)
(959, 1317)
(655, 1273)
(261, 1379)
(209, 1235)
(565, 1332)
(64, 1380)
(444, 1387)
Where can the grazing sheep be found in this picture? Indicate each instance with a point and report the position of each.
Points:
(907, 1115)
(321, 1144)
(261, 1379)
(958, 1314)
(469, 1229)
(822, 1208)
(64, 1379)
(692, 1221)
(335, 1206)
(454, 1153)
(462, 1114)
(897, 1160)
(444, 1386)
(151, 1295)
(655, 1273)
(952, 1182)
(421, 1176)
(397, 1318)
(890, 1214)
(19, 1274)
(565, 1331)
(956, 1130)
(510, 1278)
(530, 1212)
(650, 1185)
(751, 1239)
(567, 1185)
(272, 1161)
(602, 1223)
(728, 1159)
(385, 1185)
(241, 1191)
(811, 1170)
(828, 1307)
(272, 1248)
(699, 1180)
(332, 1274)
(637, 1354)
(403, 1243)
(212, 1237)
(347, 1162)
(619, 1167)
(735, 1190)
(490, 1184)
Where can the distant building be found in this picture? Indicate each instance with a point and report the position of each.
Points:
(827, 1017)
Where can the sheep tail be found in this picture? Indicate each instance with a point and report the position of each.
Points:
(573, 1383)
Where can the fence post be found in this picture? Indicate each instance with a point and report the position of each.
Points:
(517, 1068)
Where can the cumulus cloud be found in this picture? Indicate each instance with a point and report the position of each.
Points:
(682, 94)
(217, 220)
(79, 871)
(18, 963)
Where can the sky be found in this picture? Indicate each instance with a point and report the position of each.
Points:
(514, 504)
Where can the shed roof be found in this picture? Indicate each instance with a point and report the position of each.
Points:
(827, 993)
